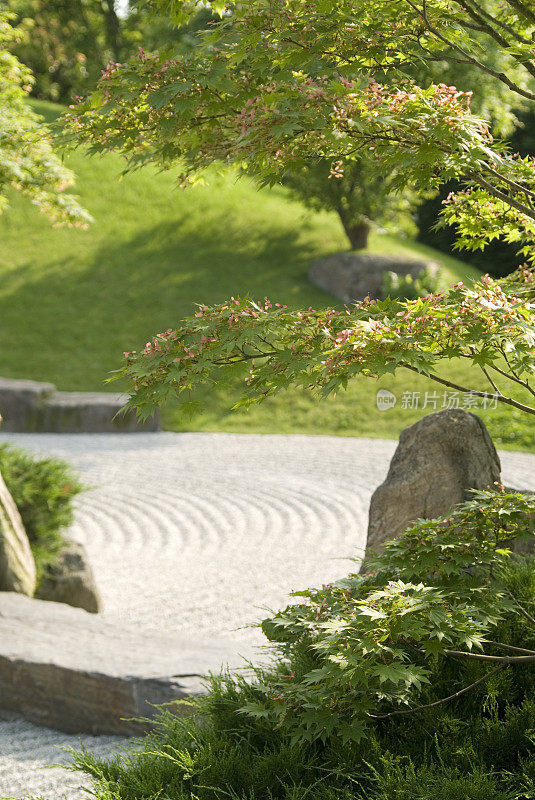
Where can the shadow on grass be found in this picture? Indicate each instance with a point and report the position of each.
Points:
(70, 323)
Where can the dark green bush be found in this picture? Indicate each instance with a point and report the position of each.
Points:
(405, 287)
(43, 490)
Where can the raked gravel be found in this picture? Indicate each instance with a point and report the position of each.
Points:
(199, 533)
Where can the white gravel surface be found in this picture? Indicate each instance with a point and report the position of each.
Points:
(199, 533)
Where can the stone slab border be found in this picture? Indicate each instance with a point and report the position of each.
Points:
(33, 407)
(64, 668)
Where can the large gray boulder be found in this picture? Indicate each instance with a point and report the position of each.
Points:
(17, 567)
(352, 276)
(438, 460)
(70, 580)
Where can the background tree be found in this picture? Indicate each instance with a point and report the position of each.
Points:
(27, 161)
(154, 30)
(68, 43)
(272, 85)
(361, 194)
(64, 45)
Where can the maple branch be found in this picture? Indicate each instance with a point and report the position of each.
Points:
(510, 647)
(498, 659)
(492, 20)
(510, 201)
(522, 609)
(501, 397)
(522, 10)
(512, 377)
(443, 700)
(486, 374)
(501, 76)
(512, 184)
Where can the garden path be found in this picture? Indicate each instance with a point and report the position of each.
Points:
(199, 533)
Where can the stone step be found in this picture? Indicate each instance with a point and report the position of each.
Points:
(33, 407)
(21, 402)
(64, 668)
(90, 412)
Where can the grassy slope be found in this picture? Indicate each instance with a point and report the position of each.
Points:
(71, 301)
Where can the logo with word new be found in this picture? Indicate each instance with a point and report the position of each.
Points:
(385, 400)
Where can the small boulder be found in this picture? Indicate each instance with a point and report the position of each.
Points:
(17, 567)
(353, 276)
(438, 460)
(70, 580)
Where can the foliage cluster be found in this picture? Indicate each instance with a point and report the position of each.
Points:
(491, 325)
(499, 258)
(43, 490)
(27, 162)
(373, 640)
(66, 44)
(367, 695)
(364, 196)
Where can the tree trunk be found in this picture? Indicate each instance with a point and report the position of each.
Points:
(113, 28)
(357, 233)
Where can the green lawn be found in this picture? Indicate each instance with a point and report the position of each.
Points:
(71, 301)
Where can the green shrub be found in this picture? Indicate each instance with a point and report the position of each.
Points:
(241, 743)
(43, 490)
(405, 287)
(452, 754)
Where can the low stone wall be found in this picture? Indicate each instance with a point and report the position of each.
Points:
(33, 407)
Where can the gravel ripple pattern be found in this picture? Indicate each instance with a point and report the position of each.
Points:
(200, 533)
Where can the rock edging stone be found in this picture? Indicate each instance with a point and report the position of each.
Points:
(17, 567)
(33, 407)
(70, 580)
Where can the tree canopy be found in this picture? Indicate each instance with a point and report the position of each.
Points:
(274, 84)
